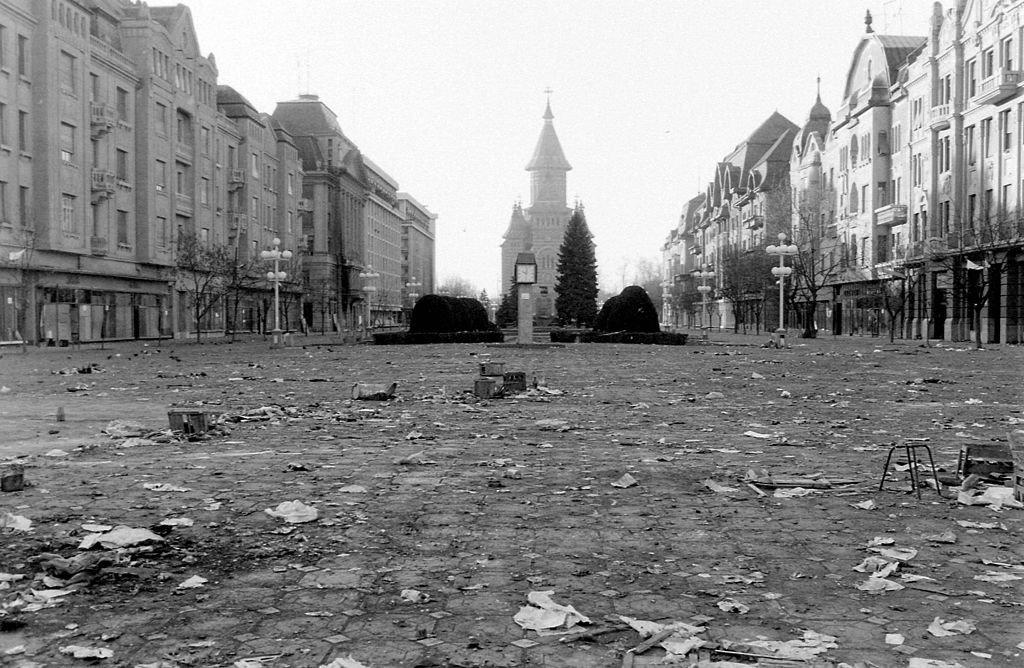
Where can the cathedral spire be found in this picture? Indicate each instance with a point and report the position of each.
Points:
(548, 153)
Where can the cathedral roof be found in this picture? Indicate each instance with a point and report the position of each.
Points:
(518, 227)
(548, 153)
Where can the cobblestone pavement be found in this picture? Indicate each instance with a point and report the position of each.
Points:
(438, 514)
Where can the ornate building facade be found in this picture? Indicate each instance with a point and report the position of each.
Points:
(540, 227)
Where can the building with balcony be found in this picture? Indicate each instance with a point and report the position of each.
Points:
(418, 249)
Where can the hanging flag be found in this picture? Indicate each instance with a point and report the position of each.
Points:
(974, 267)
(16, 255)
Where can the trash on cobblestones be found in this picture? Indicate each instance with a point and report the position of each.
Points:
(877, 566)
(193, 582)
(756, 434)
(734, 606)
(897, 553)
(416, 459)
(805, 649)
(293, 512)
(344, 662)
(996, 576)
(552, 425)
(714, 395)
(56, 452)
(80, 568)
(89, 526)
(121, 536)
(544, 614)
(352, 489)
(15, 522)
(373, 391)
(164, 487)
(920, 662)
(995, 497)
(80, 652)
(792, 492)
(625, 481)
(414, 596)
(877, 584)
(967, 524)
(719, 489)
(941, 629)
(177, 522)
(124, 429)
(865, 505)
(947, 537)
(894, 639)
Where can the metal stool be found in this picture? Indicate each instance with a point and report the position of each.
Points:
(915, 475)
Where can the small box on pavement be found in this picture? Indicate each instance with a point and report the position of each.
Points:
(12, 479)
(484, 388)
(515, 381)
(188, 420)
(492, 368)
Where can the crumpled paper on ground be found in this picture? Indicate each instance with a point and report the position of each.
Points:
(546, 614)
(121, 536)
(293, 512)
(997, 497)
(941, 629)
(812, 643)
(80, 652)
(124, 429)
(15, 522)
(625, 481)
(344, 662)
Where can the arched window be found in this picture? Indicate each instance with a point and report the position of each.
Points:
(853, 199)
(853, 150)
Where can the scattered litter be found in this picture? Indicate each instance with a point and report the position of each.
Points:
(625, 481)
(56, 452)
(995, 497)
(293, 512)
(352, 489)
(897, 553)
(877, 584)
(80, 652)
(756, 376)
(714, 395)
(718, 489)
(164, 487)
(812, 644)
(193, 582)
(552, 425)
(373, 392)
(996, 576)
(344, 662)
(15, 522)
(177, 522)
(940, 629)
(967, 524)
(416, 458)
(121, 536)
(756, 434)
(947, 537)
(877, 566)
(124, 429)
(865, 505)
(545, 614)
(791, 492)
(732, 605)
(414, 596)
(894, 639)
(919, 662)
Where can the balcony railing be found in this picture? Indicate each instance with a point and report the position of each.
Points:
(237, 221)
(104, 182)
(98, 245)
(236, 179)
(998, 87)
(891, 214)
(101, 119)
(941, 114)
(754, 221)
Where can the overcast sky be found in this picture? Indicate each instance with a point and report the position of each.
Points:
(447, 96)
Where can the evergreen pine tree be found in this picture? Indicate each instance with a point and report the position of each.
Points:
(576, 281)
(508, 311)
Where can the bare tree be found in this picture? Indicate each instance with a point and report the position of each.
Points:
(242, 277)
(202, 270)
(456, 286)
(820, 257)
(27, 278)
(745, 278)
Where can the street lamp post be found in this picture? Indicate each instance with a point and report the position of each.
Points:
(367, 275)
(781, 272)
(704, 289)
(412, 288)
(276, 276)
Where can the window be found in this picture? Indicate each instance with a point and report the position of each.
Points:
(123, 112)
(161, 231)
(1005, 129)
(3, 125)
(853, 249)
(23, 131)
(204, 191)
(853, 150)
(883, 142)
(204, 235)
(23, 205)
(987, 210)
(67, 142)
(184, 128)
(1004, 204)
(291, 183)
(972, 78)
(917, 112)
(181, 181)
(255, 210)
(255, 166)
(22, 56)
(3, 202)
(67, 214)
(1006, 53)
(122, 165)
(972, 149)
(972, 207)
(986, 137)
(122, 228)
(988, 63)
(94, 87)
(161, 176)
(288, 223)
(863, 199)
(160, 121)
(66, 70)
(3, 47)
(204, 134)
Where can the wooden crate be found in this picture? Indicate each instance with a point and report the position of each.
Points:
(188, 420)
(985, 459)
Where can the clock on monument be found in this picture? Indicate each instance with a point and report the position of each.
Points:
(526, 269)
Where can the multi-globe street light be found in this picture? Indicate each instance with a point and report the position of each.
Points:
(781, 272)
(276, 276)
(412, 290)
(704, 289)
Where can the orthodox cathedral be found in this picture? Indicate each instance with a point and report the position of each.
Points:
(540, 227)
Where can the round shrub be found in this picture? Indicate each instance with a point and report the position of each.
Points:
(437, 313)
(629, 311)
